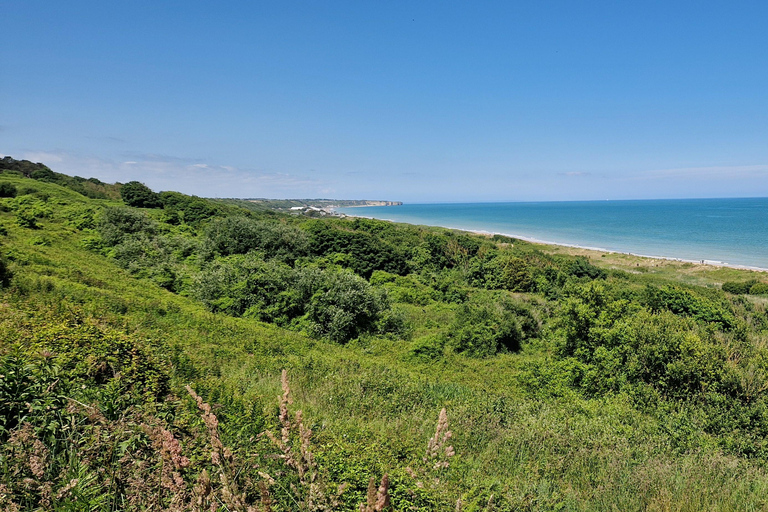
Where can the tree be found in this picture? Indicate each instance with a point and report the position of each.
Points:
(139, 195)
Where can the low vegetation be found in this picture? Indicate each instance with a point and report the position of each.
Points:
(183, 354)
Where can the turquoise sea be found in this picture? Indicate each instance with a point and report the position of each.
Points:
(723, 231)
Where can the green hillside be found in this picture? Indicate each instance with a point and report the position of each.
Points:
(143, 350)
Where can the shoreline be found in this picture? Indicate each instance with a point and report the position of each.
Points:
(711, 263)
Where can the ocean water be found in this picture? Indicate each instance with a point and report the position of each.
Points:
(724, 231)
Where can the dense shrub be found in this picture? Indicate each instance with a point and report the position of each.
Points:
(687, 303)
(246, 284)
(5, 272)
(337, 305)
(407, 289)
(489, 324)
(739, 287)
(759, 289)
(366, 252)
(117, 223)
(43, 174)
(7, 189)
(139, 195)
(155, 258)
(625, 344)
(240, 235)
(342, 305)
(25, 167)
(449, 249)
(581, 267)
(510, 272)
(184, 208)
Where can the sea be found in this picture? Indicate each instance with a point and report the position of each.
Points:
(717, 231)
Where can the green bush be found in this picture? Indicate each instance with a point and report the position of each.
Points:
(366, 251)
(581, 267)
(118, 223)
(26, 219)
(343, 305)
(738, 288)
(139, 195)
(7, 189)
(184, 208)
(687, 303)
(239, 235)
(486, 325)
(337, 305)
(43, 174)
(759, 289)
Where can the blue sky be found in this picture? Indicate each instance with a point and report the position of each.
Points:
(413, 101)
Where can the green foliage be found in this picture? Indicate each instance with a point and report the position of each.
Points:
(239, 235)
(117, 224)
(759, 289)
(183, 208)
(90, 187)
(5, 272)
(583, 390)
(507, 272)
(739, 288)
(407, 289)
(342, 305)
(7, 189)
(336, 305)
(22, 391)
(686, 303)
(490, 323)
(43, 174)
(24, 167)
(366, 251)
(139, 195)
(581, 267)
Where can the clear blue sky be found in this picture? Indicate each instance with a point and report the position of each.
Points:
(413, 101)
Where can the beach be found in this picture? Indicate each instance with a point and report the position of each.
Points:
(730, 233)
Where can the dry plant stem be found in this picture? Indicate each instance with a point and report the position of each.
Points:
(172, 462)
(438, 444)
(377, 500)
(295, 446)
(221, 457)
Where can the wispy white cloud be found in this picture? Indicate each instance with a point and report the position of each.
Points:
(192, 176)
(46, 157)
(575, 173)
(716, 172)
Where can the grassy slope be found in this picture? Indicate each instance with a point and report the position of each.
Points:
(373, 407)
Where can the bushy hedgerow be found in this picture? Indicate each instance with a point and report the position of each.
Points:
(581, 267)
(505, 272)
(449, 249)
(407, 289)
(156, 258)
(626, 342)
